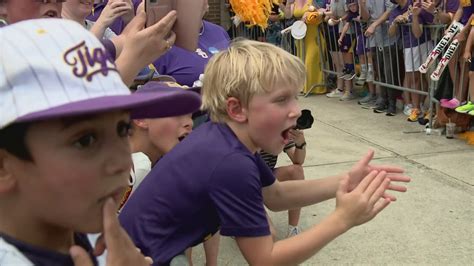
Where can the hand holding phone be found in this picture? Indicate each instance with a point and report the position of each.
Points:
(188, 23)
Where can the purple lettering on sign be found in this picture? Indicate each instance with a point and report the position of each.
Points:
(88, 62)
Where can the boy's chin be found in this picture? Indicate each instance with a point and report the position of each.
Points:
(275, 150)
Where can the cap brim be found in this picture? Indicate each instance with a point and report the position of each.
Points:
(142, 105)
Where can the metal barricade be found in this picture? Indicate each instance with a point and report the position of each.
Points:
(394, 79)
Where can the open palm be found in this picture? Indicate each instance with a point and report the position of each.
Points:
(363, 168)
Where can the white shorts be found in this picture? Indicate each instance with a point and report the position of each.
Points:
(412, 57)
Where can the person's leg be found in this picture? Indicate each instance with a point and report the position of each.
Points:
(286, 173)
(211, 248)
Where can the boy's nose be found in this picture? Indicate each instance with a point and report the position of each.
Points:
(120, 159)
(295, 111)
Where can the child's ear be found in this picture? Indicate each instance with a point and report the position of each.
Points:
(7, 180)
(141, 123)
(236, 111)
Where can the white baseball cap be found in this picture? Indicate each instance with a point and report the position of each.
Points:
(51, 68)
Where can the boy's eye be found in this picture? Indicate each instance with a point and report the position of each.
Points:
(85, 141)
(281, 99)
(124, 129)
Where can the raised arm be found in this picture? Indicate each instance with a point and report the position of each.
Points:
(352, 209)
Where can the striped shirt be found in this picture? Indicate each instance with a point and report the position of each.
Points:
(271, 159)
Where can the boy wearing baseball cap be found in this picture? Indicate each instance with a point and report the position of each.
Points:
(64, 151)
(215, 179)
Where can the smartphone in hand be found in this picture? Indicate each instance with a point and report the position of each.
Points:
(188, 24)
(156, 10)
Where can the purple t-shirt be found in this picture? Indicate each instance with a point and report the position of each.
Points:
(350, 18)
(209, 181)
(118, 25)
(467, 10)
(450, 5)
(409, 40)
(186, 66)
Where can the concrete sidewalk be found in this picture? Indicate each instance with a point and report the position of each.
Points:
(431, 224)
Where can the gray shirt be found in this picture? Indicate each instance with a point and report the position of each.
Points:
(338, 10)
(376, 8)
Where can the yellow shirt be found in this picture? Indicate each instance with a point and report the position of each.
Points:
(465, 3)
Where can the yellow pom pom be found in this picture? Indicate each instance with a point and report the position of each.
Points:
(253, 12)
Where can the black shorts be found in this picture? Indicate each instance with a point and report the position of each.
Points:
(471, 66)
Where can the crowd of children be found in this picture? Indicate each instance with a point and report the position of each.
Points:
(80, 154)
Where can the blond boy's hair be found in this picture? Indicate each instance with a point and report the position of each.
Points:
(245, 69)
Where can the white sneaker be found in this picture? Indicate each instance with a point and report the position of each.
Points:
(347, 96)
(335, 94)
(407, 109)
(293, 230)
(363, 76)
(370, 76)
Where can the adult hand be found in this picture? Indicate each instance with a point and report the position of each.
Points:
(340, 40)
(130, 15)
(113, 10)
(400, 19)
(120, 248)
(141, 46)
(360, 205)
(362, 168)
(429, 6)
(370, 30)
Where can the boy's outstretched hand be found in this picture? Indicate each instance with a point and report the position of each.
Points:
(362, 169)
(120, 248)
(364, 202)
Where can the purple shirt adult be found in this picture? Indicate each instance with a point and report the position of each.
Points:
(467, 10)
(118, 25)
(409, 40)
(208, 182)
(448, 6)
(186, 66)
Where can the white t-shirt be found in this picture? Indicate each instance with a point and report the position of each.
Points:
(10, 255)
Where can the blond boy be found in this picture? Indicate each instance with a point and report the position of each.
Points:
(215, 179)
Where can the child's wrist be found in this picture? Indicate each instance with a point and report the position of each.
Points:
(339, 221)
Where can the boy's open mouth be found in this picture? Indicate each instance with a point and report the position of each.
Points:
(286, 134)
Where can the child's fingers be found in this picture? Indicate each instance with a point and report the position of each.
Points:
(376, 184)
(149, 260)
(366, 181)
(389, 197)
(379, 190)
(80, 257)
(397, 188)
(379, 206)
(367, 158)
(388, 168)
(112, 231)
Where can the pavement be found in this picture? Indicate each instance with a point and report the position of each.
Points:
(431, 224)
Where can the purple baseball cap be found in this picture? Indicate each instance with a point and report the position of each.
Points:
(52, 68)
